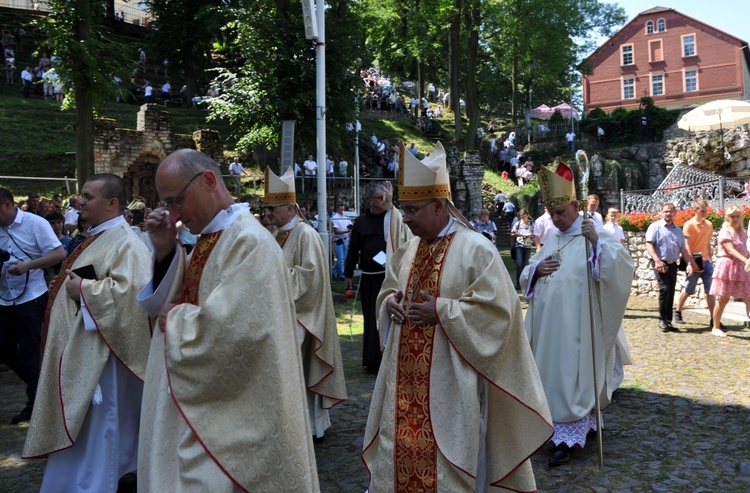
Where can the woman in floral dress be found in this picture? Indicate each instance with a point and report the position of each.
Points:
(730, 278)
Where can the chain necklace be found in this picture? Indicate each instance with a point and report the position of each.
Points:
(556, 255)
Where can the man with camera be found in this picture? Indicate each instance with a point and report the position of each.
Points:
(27, 246)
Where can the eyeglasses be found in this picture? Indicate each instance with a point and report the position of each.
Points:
(377, 197)
(271, 208)
(412, 210)
(174, 202)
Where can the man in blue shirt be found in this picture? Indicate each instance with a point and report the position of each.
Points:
(665, 243)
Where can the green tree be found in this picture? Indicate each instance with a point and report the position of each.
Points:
(86, 60)
(272, 73)
(185, 33)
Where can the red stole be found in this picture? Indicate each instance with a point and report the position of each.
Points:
(415, 450)
(200, 254)
(57, 283)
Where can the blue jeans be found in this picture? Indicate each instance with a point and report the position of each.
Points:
(522, 255)
(706, 274)
(340, 247)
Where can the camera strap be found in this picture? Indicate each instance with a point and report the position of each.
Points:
(26, 282)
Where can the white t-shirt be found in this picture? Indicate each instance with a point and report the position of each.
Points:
(615, 230)
(311, 167)
(570, 136)
(544, 228)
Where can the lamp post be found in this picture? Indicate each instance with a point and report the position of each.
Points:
(572, 126)
(357, 64)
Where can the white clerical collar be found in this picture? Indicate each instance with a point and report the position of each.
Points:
(289, 225)
(111, 223)
(574, 229)
(225, 217)
(449, 228)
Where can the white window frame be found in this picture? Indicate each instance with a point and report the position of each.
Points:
(622, 54)
(651, 83)
(661, 25)
(685, 72)
(632, 83)
(650, 29)
(684, 45)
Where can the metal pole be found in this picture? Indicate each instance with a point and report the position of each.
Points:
(357, 64)
(721, 192)
(622, 201)
(320, 103)
(572, 127)
(582, 161)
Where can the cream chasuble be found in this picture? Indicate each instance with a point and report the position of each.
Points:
(224, 401)
(558, 323)
(79, 355)
(305, 258)
(457, 407)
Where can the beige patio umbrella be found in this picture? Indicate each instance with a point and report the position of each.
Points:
(715, 116)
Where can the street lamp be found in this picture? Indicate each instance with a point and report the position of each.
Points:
(357, 64)
(572, 126)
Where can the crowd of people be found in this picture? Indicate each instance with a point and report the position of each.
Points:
(140, 369)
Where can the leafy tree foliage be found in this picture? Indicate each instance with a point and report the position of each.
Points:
(271, 74)
(86, 60)
(184, 32)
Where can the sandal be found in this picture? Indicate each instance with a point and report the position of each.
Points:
(718, 332)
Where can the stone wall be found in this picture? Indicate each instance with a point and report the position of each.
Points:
(135, 154)
(644, 279)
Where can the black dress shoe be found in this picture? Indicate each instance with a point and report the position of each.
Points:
(667, 326)
(560, 456)
(22, 417)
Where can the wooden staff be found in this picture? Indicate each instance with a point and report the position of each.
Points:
(582, 161)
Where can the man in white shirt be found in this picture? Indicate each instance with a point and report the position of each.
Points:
(311, 170)
(543, 229)
(28, 245)
(71, 215)
(236, 171)
(27, 78)
(500, 200)
(166, 92)
(570, 138)
(593, 205)
(341, 226)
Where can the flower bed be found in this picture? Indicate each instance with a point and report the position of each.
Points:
(640, 221)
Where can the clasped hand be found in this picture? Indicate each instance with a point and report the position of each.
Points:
(162, 232)
(420, 313)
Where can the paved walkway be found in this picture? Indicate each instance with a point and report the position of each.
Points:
(680, 423)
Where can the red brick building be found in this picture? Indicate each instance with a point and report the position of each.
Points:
(675, 59)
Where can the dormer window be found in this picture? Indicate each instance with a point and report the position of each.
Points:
(650, 27)
(661, 25)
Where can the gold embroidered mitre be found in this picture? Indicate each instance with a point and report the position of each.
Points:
(557, 187)
(425, 179)
(280, 190)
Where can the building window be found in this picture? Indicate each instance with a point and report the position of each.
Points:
(627, 54)
(650, 27)
(628, 88)
(661, 25)
(688, 45)
(655, 53)
(691, 80)
(657, 85)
